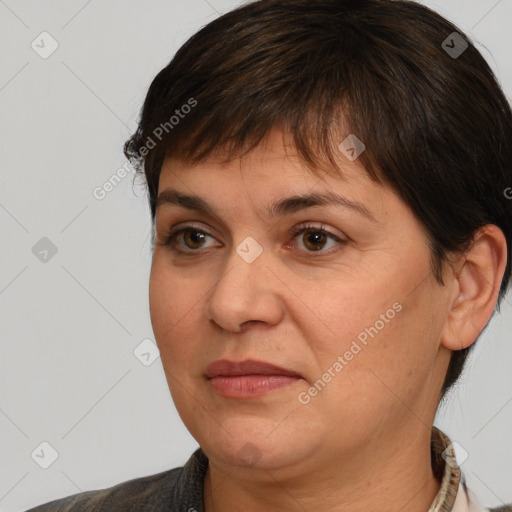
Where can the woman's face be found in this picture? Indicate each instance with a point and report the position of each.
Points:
(354, 313)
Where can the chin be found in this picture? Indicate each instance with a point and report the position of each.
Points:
(256, 442)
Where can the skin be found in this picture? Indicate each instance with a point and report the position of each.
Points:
(363, 442)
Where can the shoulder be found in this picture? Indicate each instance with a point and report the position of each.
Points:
(475, 505)
(150, 493)
(467, 501)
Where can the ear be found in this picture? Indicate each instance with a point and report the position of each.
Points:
(476, 283)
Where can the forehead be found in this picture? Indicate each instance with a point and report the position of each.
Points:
(273, 160)
(273, 176)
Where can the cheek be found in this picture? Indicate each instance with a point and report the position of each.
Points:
(174, 307)
(353, 312)
(384, 337)
(398, 352)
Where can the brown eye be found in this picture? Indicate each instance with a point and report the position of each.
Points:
(186, 240)
(193, 238)
(314, 240)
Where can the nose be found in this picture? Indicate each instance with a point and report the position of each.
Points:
(246, 293)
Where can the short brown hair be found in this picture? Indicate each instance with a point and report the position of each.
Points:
(436, 126)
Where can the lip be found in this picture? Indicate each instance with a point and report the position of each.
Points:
(226, 368)
(249, 378)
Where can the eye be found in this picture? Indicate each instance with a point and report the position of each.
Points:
(191, 237)
(314, 238)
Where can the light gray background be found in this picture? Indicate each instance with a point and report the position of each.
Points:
(68, 374)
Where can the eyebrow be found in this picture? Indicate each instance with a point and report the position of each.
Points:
(280, 208)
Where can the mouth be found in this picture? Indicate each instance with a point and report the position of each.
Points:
(249, 378)
(226, 368)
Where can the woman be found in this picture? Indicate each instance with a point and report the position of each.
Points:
(331, 235)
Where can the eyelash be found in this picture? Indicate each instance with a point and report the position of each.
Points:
(170, 238)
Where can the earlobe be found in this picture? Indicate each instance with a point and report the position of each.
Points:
(476, 283)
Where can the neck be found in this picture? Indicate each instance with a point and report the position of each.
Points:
(389, 474)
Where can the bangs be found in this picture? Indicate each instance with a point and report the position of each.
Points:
(311, 92)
